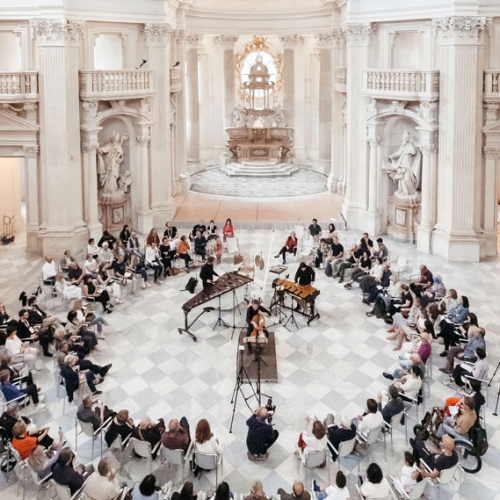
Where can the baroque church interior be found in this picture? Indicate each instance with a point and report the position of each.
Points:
(378, 117)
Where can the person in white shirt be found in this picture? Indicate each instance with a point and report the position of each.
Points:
(67, 290)
(92, 248)
(337, 492)
(105, 254)
(411, 384)
(19, 351)
(371, 419)
(206, 442)
(410, 475)
(91, 266)
(313, 438)
(375, 485)
(153, 261)
(49, 271)
(102, 485)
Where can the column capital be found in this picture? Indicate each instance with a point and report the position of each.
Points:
(292, 41)
(358, 33)
(31, 151)
(491, 151)
(157, 35)
(427, 149)
(90, 147)
(329, 39)
(143, 139)
(225, 41)
(193, 40)
(462, 30)
(56, 32)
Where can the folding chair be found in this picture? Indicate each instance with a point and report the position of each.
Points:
(88, 429)
(312, 459)
(144, 450)
(174, 457)
(209, 461)
(345, 448)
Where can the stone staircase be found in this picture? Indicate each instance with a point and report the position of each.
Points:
(259, 169)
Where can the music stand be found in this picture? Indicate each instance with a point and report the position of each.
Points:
(292, 319)
(220, 321)
(277, 302)
(241, 378)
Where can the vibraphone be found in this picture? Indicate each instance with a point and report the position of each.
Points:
(226, 283)
(305, 294)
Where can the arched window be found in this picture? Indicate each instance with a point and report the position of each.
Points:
(267, 61)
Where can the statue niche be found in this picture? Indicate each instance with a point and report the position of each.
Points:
(259, 141)
(114, 183)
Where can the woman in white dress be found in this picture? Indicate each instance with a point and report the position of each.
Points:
(19, 351)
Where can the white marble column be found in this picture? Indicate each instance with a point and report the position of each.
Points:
(31, 178)
(289, 43)
(57, 56)
(428, 192)
(90, 145)
(358, 38)
(143, 216)
(457, 233)
(490, 180)
(180, 168)
(157, 38)
(192, 98)
(374, 138)
(325, 101)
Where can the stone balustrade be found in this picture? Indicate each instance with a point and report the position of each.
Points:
(340, 78)
(492, 85)
(409, 85)
(19, 87)
(176, 79)
(120, 84)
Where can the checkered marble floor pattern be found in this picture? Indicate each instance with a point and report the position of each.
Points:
(333, 365)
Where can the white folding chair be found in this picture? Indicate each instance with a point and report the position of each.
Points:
(144, 450)
(174, 457)
(394, 421)
(391, 496)
(63, 492)
(416, 491)
(371, 437)
(210, 461)
(312, 459)
(345, 448)
(88, 429)
(39, 483)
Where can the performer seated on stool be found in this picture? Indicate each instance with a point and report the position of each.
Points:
(256, 322)
(304, 276)
(207, 273)
(290, 247)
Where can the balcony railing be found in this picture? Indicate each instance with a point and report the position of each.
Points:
(109, 85)
(402, 84)
(340, 78)
(175, 79)
(19, 87)
(492, 85)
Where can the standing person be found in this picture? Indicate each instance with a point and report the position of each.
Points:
(289, 247)
(228, 230)
(207, 273)
(304, 276)
(261, 435)
(314, 229)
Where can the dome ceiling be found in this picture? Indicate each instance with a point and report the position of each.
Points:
(260, 5)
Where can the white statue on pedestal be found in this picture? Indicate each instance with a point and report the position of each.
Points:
(110, 157)
(405, 167)
(239, 116)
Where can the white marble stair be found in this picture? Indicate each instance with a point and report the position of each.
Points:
(259, 169)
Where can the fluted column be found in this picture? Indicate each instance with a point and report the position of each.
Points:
(180, 168)
(356, 200)
(90, 145)
(192, 99)
(457, 233)
(57, 56)
(143, 214)
(157, 38)
(374, 138)
(490, 179)
(31, 162)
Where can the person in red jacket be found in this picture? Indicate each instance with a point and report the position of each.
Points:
(290, 247)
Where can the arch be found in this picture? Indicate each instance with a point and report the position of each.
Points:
(380, 116)
(138, 117)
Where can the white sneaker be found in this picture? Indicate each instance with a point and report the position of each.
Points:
(101, 336)
(143, 285)
(39, 406)
(41, 398)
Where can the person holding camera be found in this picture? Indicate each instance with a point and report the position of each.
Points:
(261, 435)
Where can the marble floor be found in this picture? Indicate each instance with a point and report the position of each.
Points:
(333, 365)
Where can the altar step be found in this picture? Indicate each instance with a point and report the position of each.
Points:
(259, 169)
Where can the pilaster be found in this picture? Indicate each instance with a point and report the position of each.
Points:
(180, 168)
(192, 98)
(374, 138)
(143, 213)
(31, 177)
(490, 179)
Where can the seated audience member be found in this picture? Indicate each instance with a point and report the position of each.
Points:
(102, 485)
(352, 260)
(75, 274)
(329, 233)
(211, 230)
(370, 419)
(479, 370)
(93, 249)
(362, 269)
(366, 244)
(393, 406)
(435, 459)
(403, 303)
(449, 303)
(375, 484)
(139, 268)
(388, 299)
(18, 350)
(66, 260)
(401, 328)
(68, 291)
(200, 244)
(374, 287)
(31, 332)
(15, 370)
(125, 235)
(11, 392)
(261, 435)
(217, 245)
(434, 293)
(228, 230)
(198, 227)
(120, 250)
(63, 349)
(313, 438)
(149, 431)
(314, 229)
(93, 412)
(339, 491)
(71, 377)
(153, 261)
(42, 461)
(147, 489)
(222, 492)
(121, 425)
(410, 475)
(124, 274)
(205, 442)
(49, 271)
(453, 335)
(105, 254)
(166, 256)
(467, 352)
(134, 247)
(38, 317)
(323, 253)
(337, 434)
(77, 326)
(5, 317)
(256, 492)
(64, 473)
(423, 283)
(289, 247)
(105, 280)
(90, 291)
(461, 423)
(298, 492)
(183, 251)
(24, 443)
(337, 256)
(382, 251)
(401, 372)
(91, 266)
(170, 233)
(186, 493)
(107, 238)
(10, 417)
(177, 436)
(476, 395)
(411, 384)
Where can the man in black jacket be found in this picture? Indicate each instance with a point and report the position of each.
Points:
(207, 273)
(72, 379)
(338, 434)
(261, 435)
(394, 406)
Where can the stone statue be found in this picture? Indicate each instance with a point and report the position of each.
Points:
(239, 116)
(405, 167)
(279, 116)
(110, 157)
